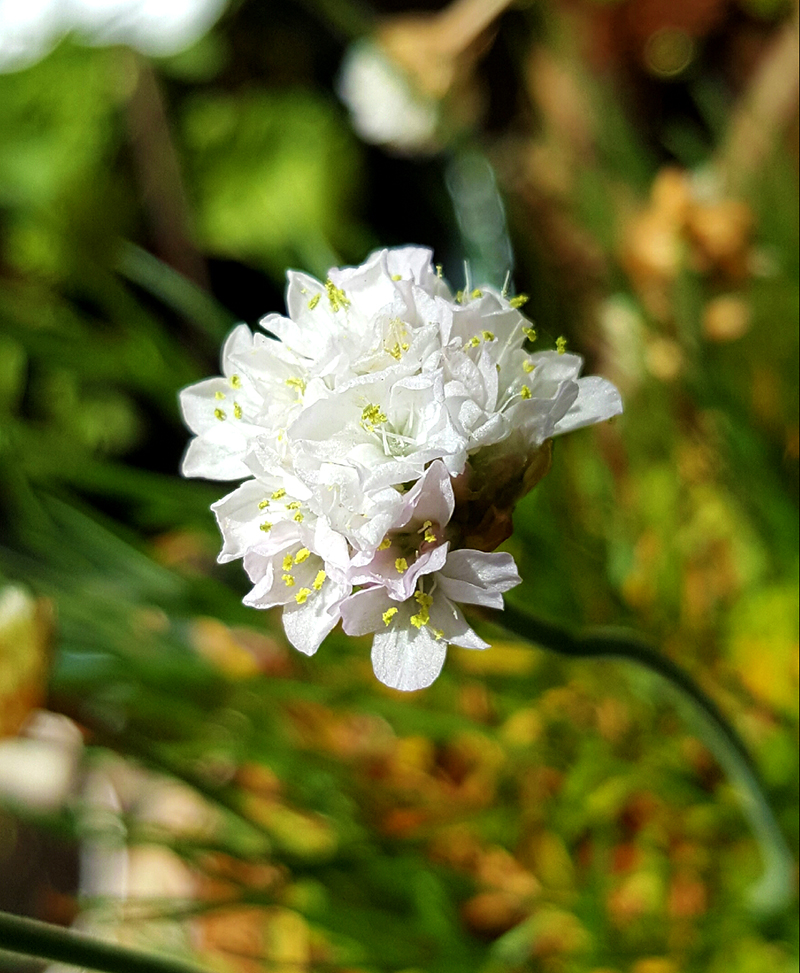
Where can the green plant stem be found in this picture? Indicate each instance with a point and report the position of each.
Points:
(774, 891)
(28, 937)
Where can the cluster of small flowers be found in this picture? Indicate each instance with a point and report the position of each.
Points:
(387, 428)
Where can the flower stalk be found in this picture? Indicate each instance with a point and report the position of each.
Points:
(42, 940)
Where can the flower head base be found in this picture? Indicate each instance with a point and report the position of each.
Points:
(387, 431)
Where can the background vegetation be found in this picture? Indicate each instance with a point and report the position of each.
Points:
(226, 799)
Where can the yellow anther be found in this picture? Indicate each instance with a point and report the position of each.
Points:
(438, 633)
(404, 345)
(561, 345)
(429, 536)
(459, 297)
(425, 526)
(219, 396)
(488, 335)
(388, 615)
(473, 342)
(519, 300)
(236, 382)
(280, 492)
(530, 333)
(219, 414)
(336, 296)
(288, 580)
(372, 415)
(319, 580)
(439, 271)
(302, 555)
(263, 505)
(297, 383)
(288, 561)
(385, 543)
(476, 294)
(525, 392)
(266, 527)
(401, 565)
(423, 616)
(314, 301)
(237, 411)
(294, 505)
(528, 366)
(298, 518)
(302, 596)
(397, 276)
(395, 351)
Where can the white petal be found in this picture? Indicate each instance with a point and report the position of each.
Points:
(407, 658)
(307, 625)
(448, 619)
(362, 612)
(597, 400)
(215, 457)
(478, 578)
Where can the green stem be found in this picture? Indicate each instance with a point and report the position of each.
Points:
(775, 889)
(28, 937)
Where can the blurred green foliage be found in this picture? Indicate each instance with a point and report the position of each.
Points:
(524, 813)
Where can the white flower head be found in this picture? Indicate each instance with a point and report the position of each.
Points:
(386, 429)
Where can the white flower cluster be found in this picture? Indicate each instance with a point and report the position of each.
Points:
(386, 427)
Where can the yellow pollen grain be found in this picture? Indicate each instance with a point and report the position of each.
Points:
(337, 297)
(302, 555)
(319, 580)
(388, 615)
(266, 526)
(314, 301)
(373, 415)
(528, 366)
(287, 562)
(280, 492)
(384, 544)
(488, 335)
(525, 392)
(302, 596)
(219, 396)
(288, 580)
(519, 300)
(438, 633)
(237, 411)
(236, 382)
(397, 276)
(401, 565)
(530, 333)
(219, 414)
(263, 505)
(561, 345)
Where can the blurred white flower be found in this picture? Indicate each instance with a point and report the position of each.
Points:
(388, 428)
(385, 108)
(29, 29)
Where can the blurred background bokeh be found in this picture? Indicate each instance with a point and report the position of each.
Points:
(172, 775)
